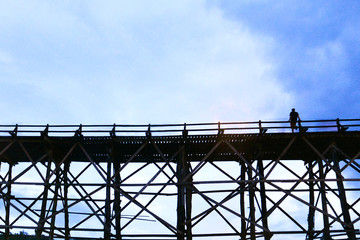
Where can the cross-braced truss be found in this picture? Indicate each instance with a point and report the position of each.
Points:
(224, 186)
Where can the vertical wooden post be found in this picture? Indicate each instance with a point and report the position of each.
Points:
(41, 222)
(324, 201)
(188, 203)
(312, 202)
(349, 228)
(267, 235)
(7, 203)
(181, 198)
(66, 211)
(184, 205)
(242, 200)
(117, 200)
(107, 222)
(251, 203)
(55, 201)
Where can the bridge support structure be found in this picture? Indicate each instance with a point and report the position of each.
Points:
(220, 186)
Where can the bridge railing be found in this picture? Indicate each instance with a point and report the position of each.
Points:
(332, 125)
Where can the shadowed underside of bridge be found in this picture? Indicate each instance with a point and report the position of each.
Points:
(207, 186)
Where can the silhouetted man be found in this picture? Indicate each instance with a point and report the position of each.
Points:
(294, 116)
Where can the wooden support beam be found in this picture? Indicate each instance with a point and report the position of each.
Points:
(326, 230)
(311, 216)
(185, 189)
(349, 228)
(126, 195)
(267, 235)
(107, 220)
(242, 200)
(181, 173)
(55, 203)
(117, 199)
(66, 209)
(188, 192)
(85, 197)
(251, 203)
(42, 219)
(7, 202)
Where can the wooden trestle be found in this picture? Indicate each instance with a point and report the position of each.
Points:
(210, 186)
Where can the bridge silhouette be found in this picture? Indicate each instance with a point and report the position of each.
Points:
(231, 180)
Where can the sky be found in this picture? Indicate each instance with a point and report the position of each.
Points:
(140, 62)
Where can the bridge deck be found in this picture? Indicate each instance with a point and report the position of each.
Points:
(269, 145)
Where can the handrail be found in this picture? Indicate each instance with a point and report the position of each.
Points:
(177, 129)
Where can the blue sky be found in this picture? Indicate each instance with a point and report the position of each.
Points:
(317, 46)
(70, 62)
(160, 61)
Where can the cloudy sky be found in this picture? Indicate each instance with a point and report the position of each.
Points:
(70, 62)
(160, 61)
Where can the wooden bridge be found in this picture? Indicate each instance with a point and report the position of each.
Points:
(233, 180)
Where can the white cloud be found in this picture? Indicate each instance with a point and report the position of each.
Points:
(141, 62)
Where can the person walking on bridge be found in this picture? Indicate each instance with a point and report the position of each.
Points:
(294, 116)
